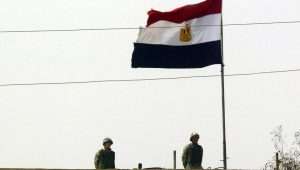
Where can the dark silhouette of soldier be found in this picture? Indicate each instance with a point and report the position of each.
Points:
(105, 158)
(193, 153)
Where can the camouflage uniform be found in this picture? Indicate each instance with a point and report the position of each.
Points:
(192, 156)
(105, 159)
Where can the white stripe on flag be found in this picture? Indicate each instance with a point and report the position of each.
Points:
(171, 34)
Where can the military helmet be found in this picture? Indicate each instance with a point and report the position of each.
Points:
(193, 135)
(107, 140)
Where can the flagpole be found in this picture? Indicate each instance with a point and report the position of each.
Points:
(223, 97)
(224, 118)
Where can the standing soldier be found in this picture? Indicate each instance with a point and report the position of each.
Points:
(193, 153)
(105, 158)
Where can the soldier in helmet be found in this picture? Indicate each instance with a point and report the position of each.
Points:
(105, 158)
(193, 153)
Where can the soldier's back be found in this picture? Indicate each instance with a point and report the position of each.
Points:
(194, 154)
(105, 159)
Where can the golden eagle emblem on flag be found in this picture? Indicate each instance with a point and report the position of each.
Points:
(186, 33)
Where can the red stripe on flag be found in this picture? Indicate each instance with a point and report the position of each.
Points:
(185, 13)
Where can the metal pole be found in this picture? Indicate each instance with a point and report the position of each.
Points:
(223, 97)
(174, 159)
(224, 119)
(277, 161)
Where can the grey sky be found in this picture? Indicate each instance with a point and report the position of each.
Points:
(62, 126)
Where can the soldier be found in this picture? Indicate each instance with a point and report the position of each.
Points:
(105, 158)
(193, 153)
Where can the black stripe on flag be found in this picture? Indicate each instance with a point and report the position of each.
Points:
(164, 56)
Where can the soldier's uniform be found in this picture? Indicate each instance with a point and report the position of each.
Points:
(192, 156)
(105, 159)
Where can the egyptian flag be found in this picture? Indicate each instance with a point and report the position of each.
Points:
(187, 37)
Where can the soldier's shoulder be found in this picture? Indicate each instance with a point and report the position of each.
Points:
(113, 152)
(199, 147)
(188, 146)
(100, 151)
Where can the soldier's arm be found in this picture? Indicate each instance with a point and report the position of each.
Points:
(97, 159)
(201, 155)
(185, 156)
(114, 166)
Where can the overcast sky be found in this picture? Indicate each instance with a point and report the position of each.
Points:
(62, 126)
